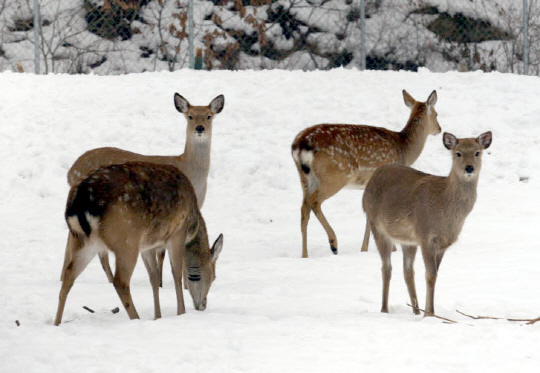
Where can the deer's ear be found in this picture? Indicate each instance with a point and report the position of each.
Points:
(432, 99)
(409, 100)
(181, 104)
(485, 139)
(449, 141)
(217, 104)
(216, 248)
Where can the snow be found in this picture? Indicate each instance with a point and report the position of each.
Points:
(395, 30)
(269, 310)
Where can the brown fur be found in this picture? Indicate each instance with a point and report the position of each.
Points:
(331, 156)
(408, 207)
(194, 162)
(135, 208)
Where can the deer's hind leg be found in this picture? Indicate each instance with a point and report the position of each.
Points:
(409, 253)
(104, 260)
(305, 213)
(305, 210)
(151, 264)
(176, 248)
(126, 258)
(160, 255)
(365, 241)
(325, 190)
(367, 232)
(77, 256)
(384, 246)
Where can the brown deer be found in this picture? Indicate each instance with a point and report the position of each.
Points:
(194, 162)
(134, 208)
(331, 156)
(408, 207)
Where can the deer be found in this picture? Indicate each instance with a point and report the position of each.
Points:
(329, 157)
(408, 207)
(136, 208)
(194, 162)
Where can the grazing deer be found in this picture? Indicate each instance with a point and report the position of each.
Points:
(408, 207)
(331, 156)
(134, 208)
(194, 162)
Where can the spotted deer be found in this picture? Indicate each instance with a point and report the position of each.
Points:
(330, 157)
(408, 207)
(135, 208)
(194, 162)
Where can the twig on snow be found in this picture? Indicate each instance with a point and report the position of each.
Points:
(88, 309)
(530, 321)
(436, 316)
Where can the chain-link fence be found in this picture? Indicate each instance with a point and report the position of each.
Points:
(124, 36)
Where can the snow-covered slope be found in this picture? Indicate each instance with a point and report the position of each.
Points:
(269, 310)
(82, 36)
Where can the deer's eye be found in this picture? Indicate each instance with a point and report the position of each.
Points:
(209, 117)
(190, 117)
(458, 154)
(477, 154)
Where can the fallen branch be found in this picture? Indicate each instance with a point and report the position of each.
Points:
(529, 321)
(88, 309)
(438, 317)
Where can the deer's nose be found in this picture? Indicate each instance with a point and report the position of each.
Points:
(469, 169)
(199, 129)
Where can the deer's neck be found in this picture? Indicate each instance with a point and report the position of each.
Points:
(197, 245)
(461, 195)
(195, 162)
(413, 138)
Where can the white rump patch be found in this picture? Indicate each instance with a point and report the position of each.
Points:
(73, 222)
(92, 220)
(303, 157)
(296, 156)
(75, 225)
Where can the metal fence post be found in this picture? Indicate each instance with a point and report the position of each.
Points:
(191, 36)
(37, 31)
(525, 38)
(362, 35)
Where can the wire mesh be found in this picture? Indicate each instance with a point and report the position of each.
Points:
(126, 36)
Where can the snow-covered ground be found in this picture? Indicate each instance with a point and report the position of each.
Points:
(269, 310)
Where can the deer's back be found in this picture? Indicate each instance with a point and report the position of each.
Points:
(353, 150)
(138, 201)
(95, 158)
(364, 146)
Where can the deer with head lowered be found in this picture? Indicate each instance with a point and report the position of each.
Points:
(135, 208)
(408, 207)
(194, 162)
(330, 157)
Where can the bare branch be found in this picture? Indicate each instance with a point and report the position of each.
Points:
(88, 309)
(436, 316)
(530, 321)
